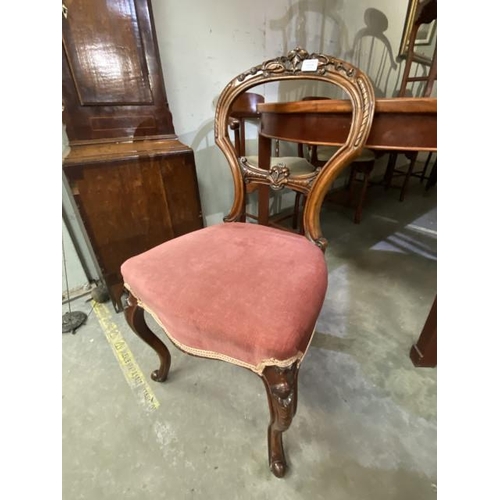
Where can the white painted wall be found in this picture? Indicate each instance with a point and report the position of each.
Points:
(73, 275)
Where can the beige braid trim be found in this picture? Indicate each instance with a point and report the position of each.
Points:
(216, 355)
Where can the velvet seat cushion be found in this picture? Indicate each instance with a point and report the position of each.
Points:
(244, 293)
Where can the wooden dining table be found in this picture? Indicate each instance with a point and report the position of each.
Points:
(399, 124)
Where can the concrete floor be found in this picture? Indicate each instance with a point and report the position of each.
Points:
(366, 421)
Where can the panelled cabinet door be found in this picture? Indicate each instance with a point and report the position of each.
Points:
(112, 80)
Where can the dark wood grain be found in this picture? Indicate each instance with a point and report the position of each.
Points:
(132, 197)
(113, 84)
(106, 54)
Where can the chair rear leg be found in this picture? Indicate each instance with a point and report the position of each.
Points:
(134, 315)
(359, 208)
(389, 172)
(281, 387)
(407, 177)
(350, 185)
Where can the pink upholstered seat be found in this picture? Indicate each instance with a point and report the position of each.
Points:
(243, 293)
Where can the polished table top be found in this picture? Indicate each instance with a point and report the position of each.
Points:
(403, 123)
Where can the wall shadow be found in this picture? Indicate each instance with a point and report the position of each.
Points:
(318, 27)
(372, 52)
(329, 35)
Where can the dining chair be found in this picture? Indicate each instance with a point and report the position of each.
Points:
(244, 109)
(245, 293)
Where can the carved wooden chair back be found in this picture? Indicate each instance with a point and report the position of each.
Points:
(315, 185)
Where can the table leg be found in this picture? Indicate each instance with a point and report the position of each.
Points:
(389, 171)
(264, 190)
(424, 352)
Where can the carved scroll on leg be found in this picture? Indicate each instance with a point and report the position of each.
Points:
(281, 387)
(135, 319)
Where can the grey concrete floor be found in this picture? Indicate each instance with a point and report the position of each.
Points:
(366, 421)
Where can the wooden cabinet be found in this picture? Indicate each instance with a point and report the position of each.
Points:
(132, 197)
(133, 181)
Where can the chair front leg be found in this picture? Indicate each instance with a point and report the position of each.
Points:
(281, 387)
(134, 315)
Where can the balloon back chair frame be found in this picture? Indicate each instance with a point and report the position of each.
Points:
(280, 377)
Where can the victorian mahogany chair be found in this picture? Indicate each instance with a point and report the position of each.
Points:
(236, 291)
(243, 109)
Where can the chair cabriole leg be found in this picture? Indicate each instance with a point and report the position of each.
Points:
(281, 388)
(134, 315)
